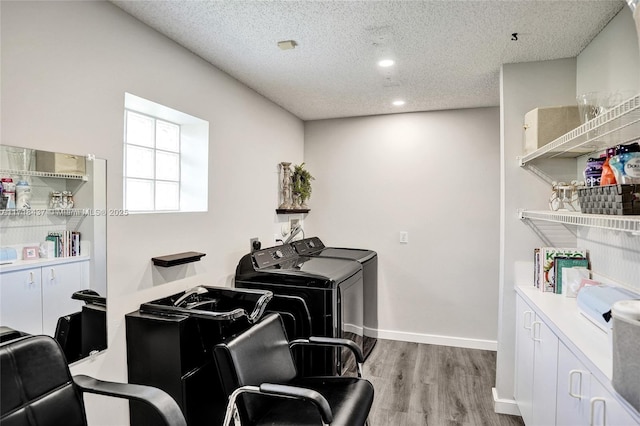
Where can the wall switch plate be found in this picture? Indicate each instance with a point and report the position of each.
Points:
(404, 237)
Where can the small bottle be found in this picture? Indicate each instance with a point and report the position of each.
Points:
(23, 195)
(9, 192)
(55, 200)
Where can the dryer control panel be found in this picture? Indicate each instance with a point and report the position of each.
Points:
(308, 245)
(273, 255)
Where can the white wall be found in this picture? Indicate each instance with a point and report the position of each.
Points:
(436, 176)
(523, 87)
(65, 69)
(607, 63)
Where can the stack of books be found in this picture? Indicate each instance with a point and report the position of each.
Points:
(64, 244)
(549, 263)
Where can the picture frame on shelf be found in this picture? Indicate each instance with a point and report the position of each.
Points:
(30, 253)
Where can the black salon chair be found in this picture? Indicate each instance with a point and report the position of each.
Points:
(37, 388)
(258, 373)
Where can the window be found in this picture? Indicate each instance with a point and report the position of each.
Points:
(152, 158)
(165, 159)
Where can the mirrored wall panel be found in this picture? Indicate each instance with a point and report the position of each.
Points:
(53, 248)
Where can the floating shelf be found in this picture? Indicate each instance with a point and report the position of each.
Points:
(177, 259)
(614, 223)
(619, 125)
(43, 174)
(290, 211)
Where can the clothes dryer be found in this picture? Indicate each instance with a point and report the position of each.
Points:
(313, 246)
(330, 287)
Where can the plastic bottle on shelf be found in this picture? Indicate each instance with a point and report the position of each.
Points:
(23, 195)
(9, 192)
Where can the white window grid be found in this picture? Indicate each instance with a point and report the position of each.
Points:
(155, 150)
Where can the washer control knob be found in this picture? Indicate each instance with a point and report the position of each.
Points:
(277, 254)
(312, 244)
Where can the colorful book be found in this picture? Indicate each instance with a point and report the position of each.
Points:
(536, 267)
(547, 256)
(562, 262)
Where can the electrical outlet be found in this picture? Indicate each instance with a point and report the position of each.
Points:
(251, 241)
(293, 223)
(404, 237)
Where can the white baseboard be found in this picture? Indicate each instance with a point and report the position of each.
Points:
(504, 406)
(432, 339)
(355, 329)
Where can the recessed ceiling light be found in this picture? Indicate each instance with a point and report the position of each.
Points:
(399, 102)
(386, 63)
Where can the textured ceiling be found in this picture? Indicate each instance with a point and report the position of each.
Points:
(448, 53)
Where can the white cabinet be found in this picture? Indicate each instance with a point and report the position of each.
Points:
(59, 282)
(545, 356)
(605, 409)
(524, 360)
(563, 365)
(582, 399)
(32, 299)
(572, 408)
(21, 300)
(536, 364)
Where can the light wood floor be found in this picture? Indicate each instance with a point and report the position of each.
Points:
(417, 384)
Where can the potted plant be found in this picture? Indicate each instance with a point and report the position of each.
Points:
(301, 185)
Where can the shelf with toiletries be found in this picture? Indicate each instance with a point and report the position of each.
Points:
(618, 125)
(74, 176)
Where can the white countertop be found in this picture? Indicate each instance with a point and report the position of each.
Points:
(18, 265)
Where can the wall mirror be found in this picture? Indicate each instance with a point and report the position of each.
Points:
(53, 276)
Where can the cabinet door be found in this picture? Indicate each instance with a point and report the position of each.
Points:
(524, 360)
(21, 300)
(545, 373)
(572, 408)
(59, 282)
(606, 410)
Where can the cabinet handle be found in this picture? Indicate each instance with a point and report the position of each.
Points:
(571, 393)
(604, 411)
(526, 319)
(52, 274)
(536, 336)
(31, 277)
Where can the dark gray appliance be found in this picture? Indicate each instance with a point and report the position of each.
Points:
(369, 260)
(330, 287)
(170, 346)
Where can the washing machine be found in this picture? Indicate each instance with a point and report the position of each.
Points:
(331, 289)
(369, 260)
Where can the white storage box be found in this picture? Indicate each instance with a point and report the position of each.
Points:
(56, 162)
(544, 125)
(626, 350)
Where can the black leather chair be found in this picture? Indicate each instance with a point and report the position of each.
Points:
(37, 388)
(259, 374)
